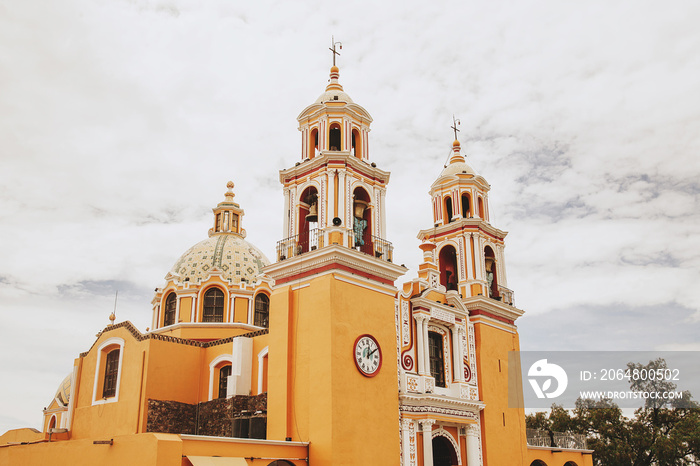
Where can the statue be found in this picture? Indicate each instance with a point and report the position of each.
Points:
(358, 228)
(489, 278)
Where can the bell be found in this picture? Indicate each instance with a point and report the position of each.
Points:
(360, 207)
(312, 216)
(488, 262)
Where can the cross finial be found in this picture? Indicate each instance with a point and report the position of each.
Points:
(332, 48)
(455, 123)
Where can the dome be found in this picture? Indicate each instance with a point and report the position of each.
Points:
(229, 254)
(456, 168)
(63, 392)
(334, 94)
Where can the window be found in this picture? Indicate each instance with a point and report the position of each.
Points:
(224, 374)
(213, 305)
(334, 138)
(466, 209)
(170, 304)
(111, 372)
(448, 209)
(262, 311)
(437, 364)
(447, 260)
(108, 366)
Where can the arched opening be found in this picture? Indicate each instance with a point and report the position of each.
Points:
(362, 221)
(334, 137)
(449, 212)
(538, 463)
(280, 463)
(444, 453)
(480, 206)
(169, 314)
(491, 277)
(308, 221)
(466, 206)
(437, 358)
(570, 463)
(447, 261)
(262, 311)
(224, 374)
(52, 423)
(313, 143)
(213, 309)
(356, 144)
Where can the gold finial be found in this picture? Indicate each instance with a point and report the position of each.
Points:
(112, 318)
(229, 194)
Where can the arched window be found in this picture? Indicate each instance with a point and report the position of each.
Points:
(262, 311)
(313, 143)
(52, 423)
(213, 305)
(480, 203)
(334, 137)
(362, 221)
(437, 361)
(356, 144)
(466, 206)
(538, 463)
(308, 221)
(447, 261)
(448, 209)
(224, 374)
(170, 304)
(111, 372)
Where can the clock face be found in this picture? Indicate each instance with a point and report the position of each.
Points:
(367, 355)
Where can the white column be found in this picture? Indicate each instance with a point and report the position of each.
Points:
(420, 347)
(347, 222)
(331, 200)
(287, 213)
(426, 347)
(473, 445)
(405, 442)
(428, 442)
(457, 353)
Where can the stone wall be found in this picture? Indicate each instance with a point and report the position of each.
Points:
(223, 417)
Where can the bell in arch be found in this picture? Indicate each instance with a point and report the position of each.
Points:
(360, 207)
(312, 216)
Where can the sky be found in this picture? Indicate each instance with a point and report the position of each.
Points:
(122, 120)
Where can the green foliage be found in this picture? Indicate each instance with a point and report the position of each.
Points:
(661, 433)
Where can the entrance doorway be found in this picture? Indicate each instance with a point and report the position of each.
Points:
(443, 452)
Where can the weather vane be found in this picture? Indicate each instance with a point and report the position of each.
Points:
(332, 48)
(455, 123)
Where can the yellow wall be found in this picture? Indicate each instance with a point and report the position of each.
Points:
(330, 401)
(493, 346)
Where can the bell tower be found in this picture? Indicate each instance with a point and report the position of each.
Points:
(469, 250)
(333, 361)
(334, 194)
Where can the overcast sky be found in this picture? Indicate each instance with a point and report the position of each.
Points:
(122, 120)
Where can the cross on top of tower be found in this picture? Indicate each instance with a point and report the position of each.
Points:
(455, 123)
(333, 50)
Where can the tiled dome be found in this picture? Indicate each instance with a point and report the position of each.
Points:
(236, 258)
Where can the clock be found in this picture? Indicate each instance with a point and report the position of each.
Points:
(367, 355)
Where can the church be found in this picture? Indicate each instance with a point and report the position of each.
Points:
(316, 356)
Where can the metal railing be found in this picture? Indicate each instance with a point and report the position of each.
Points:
(543, 438)
(314, 239)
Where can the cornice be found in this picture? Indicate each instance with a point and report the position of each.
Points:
(334, 255)
(491, 306)
(464, 225)
(326, 158)
(424, 403)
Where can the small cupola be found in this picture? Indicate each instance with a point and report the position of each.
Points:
(227, 215)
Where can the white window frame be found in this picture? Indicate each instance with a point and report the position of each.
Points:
(100, 352)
